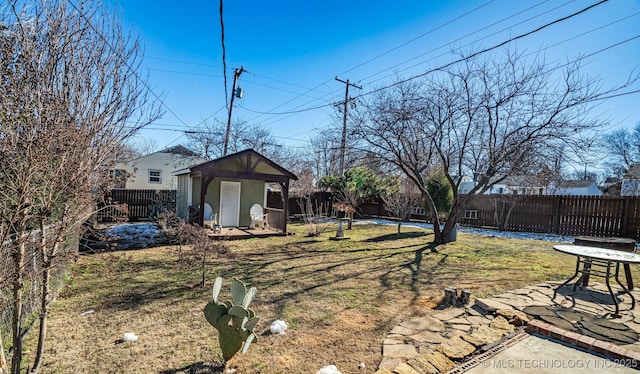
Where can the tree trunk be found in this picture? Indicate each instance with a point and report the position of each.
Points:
(449, 225)
(45, 259)
(3, 359)
(18, 296)
(204, 266)
(399, 224)
(437, 234)
(42, 332)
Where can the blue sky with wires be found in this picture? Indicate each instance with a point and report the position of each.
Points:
(293, 50)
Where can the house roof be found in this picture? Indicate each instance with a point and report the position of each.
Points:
(524, 181)
(179, 150)
(633, 172)
(243, 164)
(576, 184)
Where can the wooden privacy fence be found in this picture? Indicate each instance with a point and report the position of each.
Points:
(598, 216)
(137, 204)
(564, 215)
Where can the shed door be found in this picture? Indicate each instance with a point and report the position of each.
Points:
(229, 204)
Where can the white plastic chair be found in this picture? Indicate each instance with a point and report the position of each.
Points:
(211, 219)
(258, 217)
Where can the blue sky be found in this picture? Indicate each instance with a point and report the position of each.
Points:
(293, 50)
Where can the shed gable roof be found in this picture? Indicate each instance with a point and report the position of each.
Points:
(244, 164)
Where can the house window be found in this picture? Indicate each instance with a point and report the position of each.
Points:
(470, 214)
(419, 211)
(155, 176)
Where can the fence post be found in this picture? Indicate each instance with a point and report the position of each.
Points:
(625, 217)
(555, 225)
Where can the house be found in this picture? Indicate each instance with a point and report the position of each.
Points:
(574, 188)
(230, 185)
(631, 181)
(154, 171)
(519, 185)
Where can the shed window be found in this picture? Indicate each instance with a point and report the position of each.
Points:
(155, 176)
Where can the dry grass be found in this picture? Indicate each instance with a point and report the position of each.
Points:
(340, 299)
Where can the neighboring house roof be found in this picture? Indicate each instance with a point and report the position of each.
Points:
(633, 172)
(524, 181)
(576, 184)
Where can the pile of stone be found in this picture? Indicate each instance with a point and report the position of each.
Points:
(435, 343)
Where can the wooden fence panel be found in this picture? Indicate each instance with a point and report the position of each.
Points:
(600, 216)
(139, 204)
(564, 215)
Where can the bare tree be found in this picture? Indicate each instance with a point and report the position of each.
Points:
(621, 149)
(209, 140)
(401, 201)
(504, 115)
(70, 81)
(142, 146)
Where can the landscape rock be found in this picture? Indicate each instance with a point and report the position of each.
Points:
(448, 314)
(383, 371)
(486, 334)
(422, 366)
(456, 348)
(500, 323)
(404, 368)
(399, 351)
(515, 317)
(439, 361)
(428, 337)
(424, 323)
(490, 305)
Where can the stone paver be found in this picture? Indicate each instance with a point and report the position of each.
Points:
(456, 347)
(449, 314)
(436, 342)
(423, 323)
(491, 305)
(399, 350)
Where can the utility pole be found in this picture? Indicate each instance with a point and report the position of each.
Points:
(343, 143)
(236, 75)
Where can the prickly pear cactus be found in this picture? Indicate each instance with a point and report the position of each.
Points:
(233, 319)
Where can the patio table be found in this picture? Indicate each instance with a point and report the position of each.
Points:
(595, 261)
(620, 244)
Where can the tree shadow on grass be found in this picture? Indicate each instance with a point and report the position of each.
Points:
(146, 293)
(396, 236)
(197, 368)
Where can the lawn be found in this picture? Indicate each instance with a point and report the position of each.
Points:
(340, 298)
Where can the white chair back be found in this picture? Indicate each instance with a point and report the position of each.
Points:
(208, 212)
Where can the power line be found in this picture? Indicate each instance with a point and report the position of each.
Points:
(224, 56)
(483, 51)
(446, 23)
(419, 36)
(462, 59)
(465, 36)
(183, 62)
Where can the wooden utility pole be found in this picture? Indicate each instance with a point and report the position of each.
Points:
(344, 122)
(236, 75)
